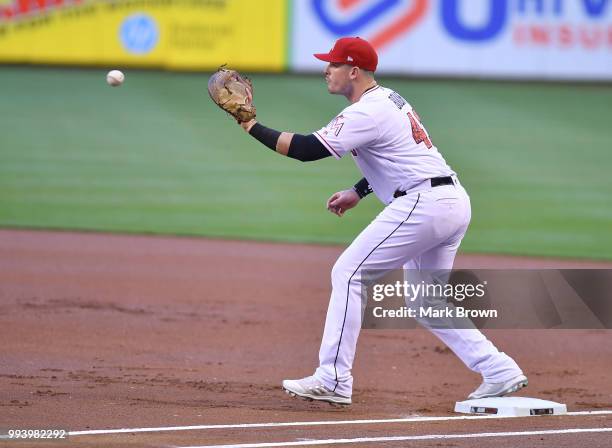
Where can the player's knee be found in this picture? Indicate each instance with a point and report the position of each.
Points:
(341, 273)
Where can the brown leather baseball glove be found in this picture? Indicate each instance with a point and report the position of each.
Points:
(233, 93)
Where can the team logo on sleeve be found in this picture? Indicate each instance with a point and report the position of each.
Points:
(335, 126)
(397, 99)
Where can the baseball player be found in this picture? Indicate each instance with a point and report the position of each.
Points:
(426, 216)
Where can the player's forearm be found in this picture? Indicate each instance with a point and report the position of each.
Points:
(267, 136)
(296, 146)
(273, 139)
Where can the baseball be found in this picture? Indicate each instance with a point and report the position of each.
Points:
(115, 78)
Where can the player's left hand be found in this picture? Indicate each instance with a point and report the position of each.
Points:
(342, 201)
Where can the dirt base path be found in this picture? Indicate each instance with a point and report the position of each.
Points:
(111, 331)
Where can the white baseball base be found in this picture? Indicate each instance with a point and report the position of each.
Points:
(510, 407)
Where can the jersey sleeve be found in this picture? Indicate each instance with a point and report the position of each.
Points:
(350, 130)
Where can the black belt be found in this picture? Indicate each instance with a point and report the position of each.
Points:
(435, 182)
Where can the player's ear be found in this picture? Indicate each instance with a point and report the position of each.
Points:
(354, 72)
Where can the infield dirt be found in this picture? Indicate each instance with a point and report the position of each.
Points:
(110, 331)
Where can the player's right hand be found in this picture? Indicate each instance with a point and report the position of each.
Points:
(341, 201)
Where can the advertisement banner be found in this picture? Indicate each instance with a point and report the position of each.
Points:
(533, 39)
(176, 34)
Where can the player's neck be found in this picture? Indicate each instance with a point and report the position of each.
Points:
(360, 89)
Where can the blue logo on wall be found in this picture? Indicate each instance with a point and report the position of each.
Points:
(139, 34)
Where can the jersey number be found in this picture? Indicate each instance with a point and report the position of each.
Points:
(418, 133)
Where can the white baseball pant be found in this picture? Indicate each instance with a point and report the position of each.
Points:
(421, 230)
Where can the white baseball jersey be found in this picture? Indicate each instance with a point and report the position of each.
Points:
(387, 141)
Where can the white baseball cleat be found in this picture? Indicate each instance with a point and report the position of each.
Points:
(486, 390)
(310, 388)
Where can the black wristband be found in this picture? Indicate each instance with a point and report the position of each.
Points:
(267, 136)
(362, 188)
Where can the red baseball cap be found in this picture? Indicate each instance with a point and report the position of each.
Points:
(352, 51)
